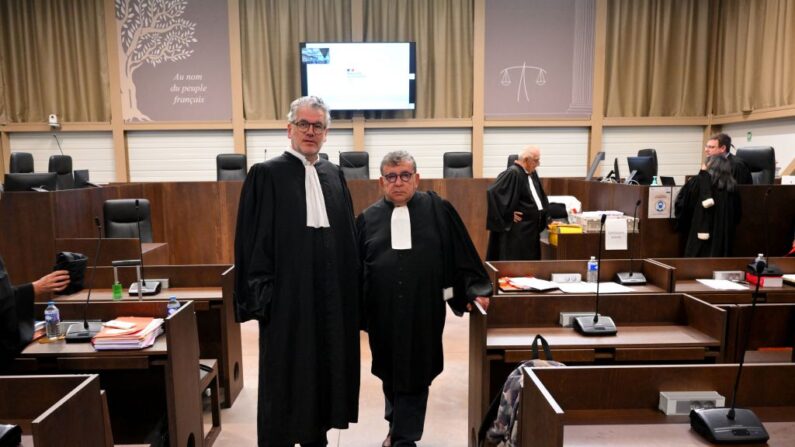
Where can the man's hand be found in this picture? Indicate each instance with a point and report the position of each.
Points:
(517, 216)
(482, 300)
(53, 282)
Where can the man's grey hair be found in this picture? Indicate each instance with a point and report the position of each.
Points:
(395, 158)
(314, 102)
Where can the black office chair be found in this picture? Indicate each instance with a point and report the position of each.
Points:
(230, 167)
(457, 165)
(121, 219)
(762, 162)
(62, 165)
(21, 162)
(355, 165)
(323, 155)
(512, 158)
(650, 153)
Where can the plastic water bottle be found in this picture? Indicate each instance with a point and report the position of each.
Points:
(655, 181)
(173, 305)
(52, 321)
(593, 270)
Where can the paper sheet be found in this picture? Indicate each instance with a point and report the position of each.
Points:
(590, 287)
(616, 234)
(722, 284)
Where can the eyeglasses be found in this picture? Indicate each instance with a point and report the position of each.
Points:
(404, 177)
(304, 126)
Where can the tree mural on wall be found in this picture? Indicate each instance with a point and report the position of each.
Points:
(150, 32)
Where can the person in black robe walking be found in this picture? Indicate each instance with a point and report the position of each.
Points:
(517, 210)
(297, 273)
(708, 209)
(416, 256)
(720, 145)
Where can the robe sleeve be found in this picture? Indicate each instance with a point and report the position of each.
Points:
(361, 234)
(502, 197)
(683, 206)
(464, 270)
(16, 317)
(254, 247)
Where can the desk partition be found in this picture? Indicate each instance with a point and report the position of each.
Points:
(617, 405)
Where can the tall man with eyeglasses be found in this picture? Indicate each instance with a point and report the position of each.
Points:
(517, 212)
(297, 273)
(416, 256)
(720, 145)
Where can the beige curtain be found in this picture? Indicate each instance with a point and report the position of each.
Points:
(755, 64)
(443, 30)
(657, 56)
(53, 59)
(270, 33)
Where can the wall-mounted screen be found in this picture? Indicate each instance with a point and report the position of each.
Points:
(360, 76)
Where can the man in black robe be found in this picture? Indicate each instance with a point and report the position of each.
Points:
(297, 274)
(720, 144)
(517, 212)
(416, 255)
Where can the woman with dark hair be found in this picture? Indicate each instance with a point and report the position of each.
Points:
(708, 209)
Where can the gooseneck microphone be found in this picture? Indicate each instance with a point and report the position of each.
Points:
(598, 324)
(632, 278)
(153, 287)
(58, 142)
(83, 334)
(737, 425)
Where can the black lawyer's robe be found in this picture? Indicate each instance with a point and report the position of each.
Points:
(403, 289)
(740, 170)
(16, 317)
(509, 240)
(718, 221)
(302, 285)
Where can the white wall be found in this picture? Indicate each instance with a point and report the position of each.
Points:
(276, 141)
(172, 156)
(89, 150)
(564, 151)
(427, 146)
(678, 148)
(777, 133)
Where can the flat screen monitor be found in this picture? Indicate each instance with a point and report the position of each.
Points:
(28, 181)
(360, 75)
(642, 169)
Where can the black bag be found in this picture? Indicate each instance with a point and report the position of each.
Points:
(75, 264)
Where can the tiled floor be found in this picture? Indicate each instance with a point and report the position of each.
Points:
(446, 421)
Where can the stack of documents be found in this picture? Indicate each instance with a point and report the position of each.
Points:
(530, 283)
(128, 333)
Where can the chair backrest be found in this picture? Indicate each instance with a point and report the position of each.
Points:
(323, 155)
(761, 160)
(230, 167)
(355, 165)
(512, 158)
(457, 165)
(121, 219)
(21, 162)
(649, 152)
(62, 165)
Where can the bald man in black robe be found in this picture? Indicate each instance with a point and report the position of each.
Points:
(297, 273)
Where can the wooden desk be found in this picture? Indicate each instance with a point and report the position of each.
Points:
(601, 406)
(771, 326)
(210, 288)
(165, 376)
(651, 328)
(659, 277)
(585, 245)
(55, 410)
(687, 270)
(155, 253)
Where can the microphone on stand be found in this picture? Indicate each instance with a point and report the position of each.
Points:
(152, 287)
(598, 324)
(78, 333)
(737, 425)
(632, 278)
